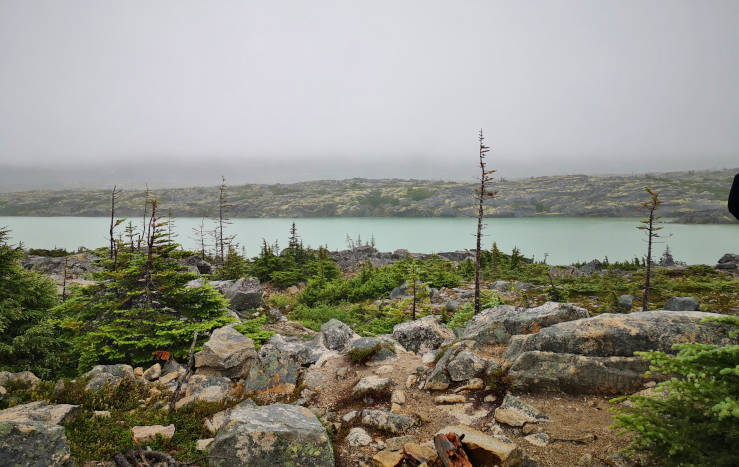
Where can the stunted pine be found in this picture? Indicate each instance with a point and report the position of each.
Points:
(481, 194)
(651, 231)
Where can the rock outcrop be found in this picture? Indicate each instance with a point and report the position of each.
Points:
(243, 294)
(422, 335)
(336, 335)
(227, 353)
(497, 325)
(33, 444)
(596, 354)
(272, 435)
(729, 262)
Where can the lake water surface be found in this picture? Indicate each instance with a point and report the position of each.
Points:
(566, 240)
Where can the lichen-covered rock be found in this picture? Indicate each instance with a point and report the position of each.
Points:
(465, 365)
(40, 411)
(110, 375)
(33, 444)
(621, 335)
(25, 378)
(459, 362)
(336, 335)
(227, 353)
(358, 437)
(497, 325)
(625, 302)
(217, 420)
(242, 294)
(275, 372)
(301, 351)
(371, 385)
(386, 421)
(515, 412)
(483, 449)
(363, 348)
(422, 335)
(153, 372)
(577, 374)
(205, 388)
(728, 261)
(682, 304)
(272, 435)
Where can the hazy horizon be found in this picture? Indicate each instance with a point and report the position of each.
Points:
(177, 93)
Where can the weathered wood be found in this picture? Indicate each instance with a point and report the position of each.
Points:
(450, 451)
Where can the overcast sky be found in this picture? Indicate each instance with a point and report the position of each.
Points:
(334, 89)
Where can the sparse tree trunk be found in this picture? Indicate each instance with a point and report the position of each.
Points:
(112, 220)
(482, 193)
(64, 280)
(650, 229)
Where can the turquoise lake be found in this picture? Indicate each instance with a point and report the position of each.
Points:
(566, 240)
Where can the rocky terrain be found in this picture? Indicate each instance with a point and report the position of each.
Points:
(689, 197)
(514, 387)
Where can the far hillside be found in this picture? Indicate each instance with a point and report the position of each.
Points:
(689, 197)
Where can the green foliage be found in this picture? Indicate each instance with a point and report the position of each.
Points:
(695, 421)
(418, 194)
(252, 329)
(55, 253)
(141, 306)
(27, 342)
(464, 313)
(366, 320)
(292, 266)
(234, 267)
(99, 438)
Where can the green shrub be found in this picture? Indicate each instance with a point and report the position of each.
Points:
(697, 420)
(252, 329)
(27, 340)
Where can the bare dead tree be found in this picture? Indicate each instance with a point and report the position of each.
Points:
(481, 193)
(200, 236)
(147, 201)
(650, 229)
(223, 220)
(114, 195)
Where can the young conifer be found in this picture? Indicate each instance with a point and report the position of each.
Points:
(651, 231)
(481, 193)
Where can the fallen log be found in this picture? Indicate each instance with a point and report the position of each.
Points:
(450, 450)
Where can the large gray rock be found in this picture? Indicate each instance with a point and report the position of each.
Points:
(497, 325)
(197, 265)
(610, 335)
(243, 294)
(625, 302)
(275, 371)
(227, 353)
(301, 351)
(682, 304)
(596, 355)
(24, 378)
(577, 374)
(205, 388)
(40, 411)
(272, 435)
(422, 335)
(336, 335)
(728, 261)
(459, 362)
(107, 375)
(371, 384)
(217, 420)
(33, 444)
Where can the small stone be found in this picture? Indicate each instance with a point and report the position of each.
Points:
(490, 398)
(450, 399)
(101, 414)
(515, 412)
(410, 381)
(371, 384)
(149, 433)
(397, 443)
(387, 458)
(342, 372)
(138, 372)
(358, 437)
(398, 397)
(538, 439)
(349, 416)
(154, 372)
(650, 384)
(202, 444)
(422, 453)
(530, 428)
(384, 370)
(396, 408)
(169, 377)
(428, 357)
(420, 370)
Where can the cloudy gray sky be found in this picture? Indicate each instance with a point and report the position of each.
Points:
(286, 90)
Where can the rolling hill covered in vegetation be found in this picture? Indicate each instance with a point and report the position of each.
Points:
(689, 197)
